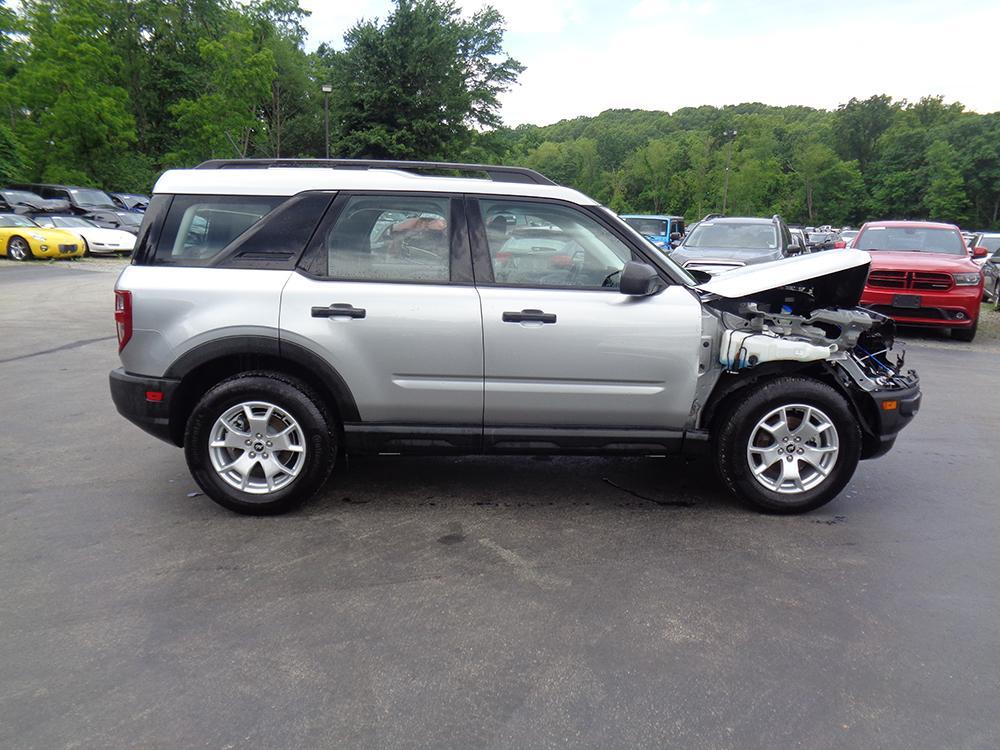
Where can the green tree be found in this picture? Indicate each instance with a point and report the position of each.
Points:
(77, 126)
(858, 125)
(416, 85)
(11, 155)
(945, 197)
(226, 119)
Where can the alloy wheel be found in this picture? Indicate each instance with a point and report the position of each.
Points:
(257, 447)
(793, 449)
(18, 249)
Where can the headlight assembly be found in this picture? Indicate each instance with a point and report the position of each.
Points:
(967, 279)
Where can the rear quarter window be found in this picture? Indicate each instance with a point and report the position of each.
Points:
(197, 228)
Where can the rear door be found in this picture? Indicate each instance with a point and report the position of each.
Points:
(563, 347)
(385, 295)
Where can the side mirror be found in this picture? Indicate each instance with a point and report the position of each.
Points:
(674, 236)
(794, 248)
(639, 280)
(980, 252)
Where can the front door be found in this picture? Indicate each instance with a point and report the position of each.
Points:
(562, 346)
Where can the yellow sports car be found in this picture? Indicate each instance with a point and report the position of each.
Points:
(23, 239)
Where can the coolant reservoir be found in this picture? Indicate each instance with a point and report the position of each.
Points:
(741, 349)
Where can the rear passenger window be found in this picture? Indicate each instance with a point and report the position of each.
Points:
(198, 227)
(277, 241)
(389, 238)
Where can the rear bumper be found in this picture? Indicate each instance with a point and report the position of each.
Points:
(956, 308)
(131, 395)
(893, 409)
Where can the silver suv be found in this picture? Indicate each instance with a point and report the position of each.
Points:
(279, 313)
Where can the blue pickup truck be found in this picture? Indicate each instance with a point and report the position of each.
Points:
(658, 229)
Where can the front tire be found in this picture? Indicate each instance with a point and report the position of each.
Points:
(965, 334)
(19, 249)
(260, 443)
(790, 445)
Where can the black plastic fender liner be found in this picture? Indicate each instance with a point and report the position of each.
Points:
(730, 383)
(208, 363)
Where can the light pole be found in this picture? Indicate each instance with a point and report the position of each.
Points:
(326, 88)
(731, 135)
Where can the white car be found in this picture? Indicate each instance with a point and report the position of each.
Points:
(98, 240)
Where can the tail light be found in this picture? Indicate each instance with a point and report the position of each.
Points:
(839, 245)
(123, 316)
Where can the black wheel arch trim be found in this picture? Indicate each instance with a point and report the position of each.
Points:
(255, 352)
(878, 429)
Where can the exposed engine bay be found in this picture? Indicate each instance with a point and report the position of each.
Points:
(808, 319)
(859, 340)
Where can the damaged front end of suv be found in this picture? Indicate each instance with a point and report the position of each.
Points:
(801, 317)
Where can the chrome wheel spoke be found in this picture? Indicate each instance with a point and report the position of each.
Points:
(232, 439)
(790, 474)
(282, 441)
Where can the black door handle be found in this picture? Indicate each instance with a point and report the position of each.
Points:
(529, 316)
(339, 310)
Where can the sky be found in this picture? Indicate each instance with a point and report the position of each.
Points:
(585, 56)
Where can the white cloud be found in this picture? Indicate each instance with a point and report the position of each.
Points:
(585, 57)
(329, 20)
(533, 16)
(666, 67)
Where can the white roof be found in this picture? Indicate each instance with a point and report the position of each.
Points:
(292, 180)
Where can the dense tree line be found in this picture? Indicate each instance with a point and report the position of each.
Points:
(872, 157)
(110, 92)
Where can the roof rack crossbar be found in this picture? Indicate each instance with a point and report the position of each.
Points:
(495, 172)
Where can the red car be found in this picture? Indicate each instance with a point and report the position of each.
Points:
(921, 275)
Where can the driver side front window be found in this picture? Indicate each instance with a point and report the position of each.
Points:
(548, 245)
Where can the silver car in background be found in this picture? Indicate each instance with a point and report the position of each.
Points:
(722, 244)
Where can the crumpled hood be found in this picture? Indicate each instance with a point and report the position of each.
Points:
(837, 277)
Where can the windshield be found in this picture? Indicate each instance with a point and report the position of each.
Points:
(819, 237)
(912, 239)
(71, 221)
(990, 243)
(91, 197)
(21, 196)
(133, 219)
(10, 220)
(734, 235)
(654, 250)
(656, 227)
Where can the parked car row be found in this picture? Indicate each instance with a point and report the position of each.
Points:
(63, 221)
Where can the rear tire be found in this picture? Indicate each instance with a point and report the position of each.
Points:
(260, 443)
(996, 296)
(965, 334)
(793, 469)
(19, 249)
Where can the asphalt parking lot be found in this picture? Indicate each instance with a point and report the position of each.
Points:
(480, 602)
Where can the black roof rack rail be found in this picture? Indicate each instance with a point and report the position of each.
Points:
(495, 172)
